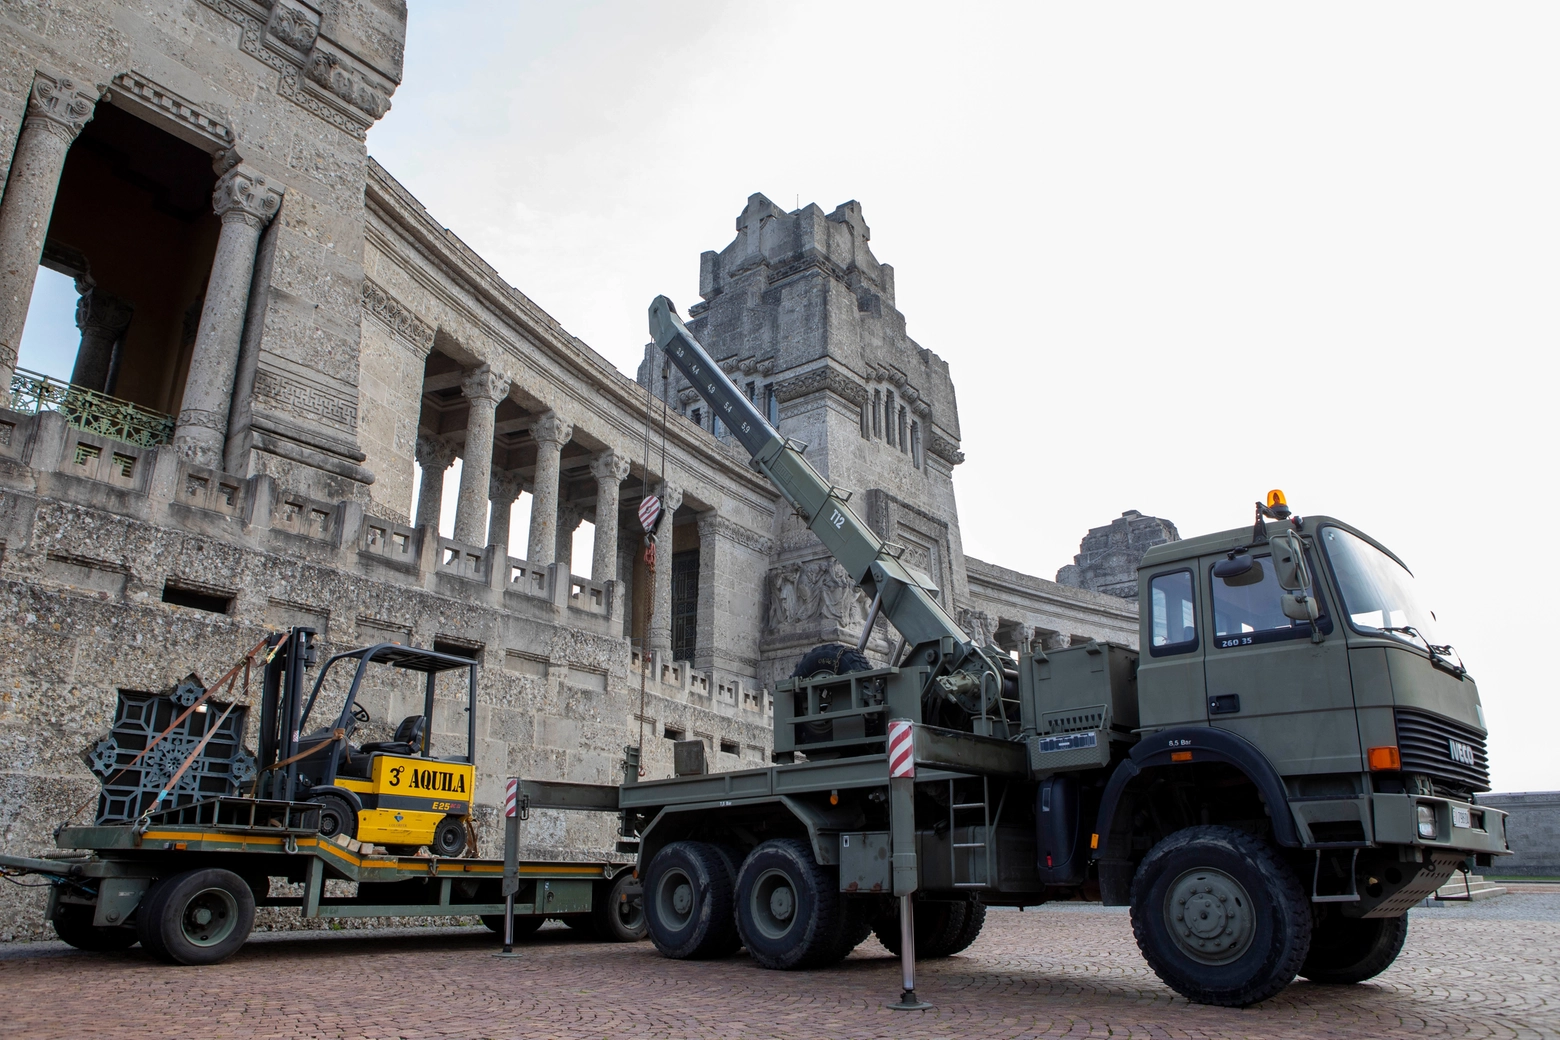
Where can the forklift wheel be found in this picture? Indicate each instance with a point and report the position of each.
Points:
(336, 815)
(73, 924)
(198, 917)
(449, 837)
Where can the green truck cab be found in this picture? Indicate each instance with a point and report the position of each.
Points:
(1285, 765)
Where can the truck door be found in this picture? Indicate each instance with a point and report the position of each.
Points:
(1171, 686)
(1268, 682)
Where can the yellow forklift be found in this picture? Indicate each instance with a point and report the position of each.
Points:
(396, 793)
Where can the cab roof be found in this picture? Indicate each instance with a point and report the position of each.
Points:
(1224, 541)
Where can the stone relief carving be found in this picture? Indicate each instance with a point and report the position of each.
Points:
(825, 378)
(58, 105)
(980, 626)
(397, 315)
(814, 590)
(242, 194)
(945, 449)
(333, 73)
(293, 27)
(300, 399)
(143, 90)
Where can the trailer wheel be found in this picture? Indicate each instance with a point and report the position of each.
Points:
(616, 915)
(525, 924)
(1346, 950)
(1219, 916)
(688, 901)
(939, 928)
(788, 907)
(198, 917)
(73, 924)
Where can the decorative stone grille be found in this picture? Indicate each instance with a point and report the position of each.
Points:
(34, 392)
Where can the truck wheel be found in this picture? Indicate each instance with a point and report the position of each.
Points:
(73, 924)
(830, 659)
(198, 917)
(856, 917)
(336, 816)
(1219, 916)
(525, 924)
(449, 837)
(616, 915)
(969, 929)
(688, 902)
(788, 907)
(939, 926)
(1346, 950)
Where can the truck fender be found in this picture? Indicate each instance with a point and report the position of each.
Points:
(1206, 745)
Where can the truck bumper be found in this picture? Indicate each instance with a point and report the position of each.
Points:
(1460, 826)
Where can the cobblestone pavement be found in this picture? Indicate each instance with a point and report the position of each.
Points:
(1488, 969)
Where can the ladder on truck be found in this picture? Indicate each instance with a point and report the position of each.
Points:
(969, 862)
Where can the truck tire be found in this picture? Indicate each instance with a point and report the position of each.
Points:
(617, 916)
(856, 916)
(198, 917)
(1346, 950)
(688, 902)
(1219, 916)
(73, 924)
(525, 924)
(830, 659)
(788, 907)
(942, 928)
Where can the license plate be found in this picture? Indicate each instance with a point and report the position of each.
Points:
(1461, 817)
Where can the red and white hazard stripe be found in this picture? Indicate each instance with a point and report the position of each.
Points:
(649, 511)
(901, 748)
(511, 796)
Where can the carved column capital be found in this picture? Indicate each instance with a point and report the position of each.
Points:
(570, 516)
(244, 195)
(484, 384)
(671, 496)
(97, 310)
(434, 453)
(504, 487)
(609, 466)
(59, 106)
(709, 525)
(551, 428)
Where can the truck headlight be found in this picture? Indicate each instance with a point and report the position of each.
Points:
(1427, 827)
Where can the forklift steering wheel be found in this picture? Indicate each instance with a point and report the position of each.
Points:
(360, 713)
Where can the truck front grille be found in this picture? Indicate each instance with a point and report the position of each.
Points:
(1436, 747)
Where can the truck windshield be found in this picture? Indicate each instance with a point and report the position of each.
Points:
(1378, 592)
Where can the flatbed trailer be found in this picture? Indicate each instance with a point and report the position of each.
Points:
(185, 882)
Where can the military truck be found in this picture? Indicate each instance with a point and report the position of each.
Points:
(1286, 765)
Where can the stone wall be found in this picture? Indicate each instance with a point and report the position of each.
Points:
(1108, 558)
(1533, 830)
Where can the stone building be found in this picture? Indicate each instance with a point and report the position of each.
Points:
(276, 337)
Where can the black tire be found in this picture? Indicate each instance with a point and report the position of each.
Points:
(449, 837)
(198, 917)
(402, 850)
(688, 902)
(616, 915)
(969, 929)
(788, 907)
(856, 917)
(830, 659)
(336, 815)
(1346, 950)
(1220, 917)
(525, 924)
(939, 924)
(73, 924)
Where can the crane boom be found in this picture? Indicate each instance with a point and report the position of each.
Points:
(905, 598)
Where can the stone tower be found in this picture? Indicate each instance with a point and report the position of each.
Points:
(1109, 556)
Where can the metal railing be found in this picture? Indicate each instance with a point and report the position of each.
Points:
(34, 392)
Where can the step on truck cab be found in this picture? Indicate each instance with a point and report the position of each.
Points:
(1288, 763)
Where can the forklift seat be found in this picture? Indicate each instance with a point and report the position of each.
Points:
(408, 738)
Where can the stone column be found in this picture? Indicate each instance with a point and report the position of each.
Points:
(434, 455)
(551, 433)
(1025, 634)
(246, 203)
(1054, 640)
(660, 636)
(56, 111)
(503, 489)
(483, 388)
(569, 519)
(706, 614)
(609, 469)
(102, 319)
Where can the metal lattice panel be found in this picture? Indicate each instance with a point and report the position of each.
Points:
(88, 410)
(129, 790)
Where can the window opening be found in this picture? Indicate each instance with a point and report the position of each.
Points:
(1248, 608)
(730, 747)
(772, 405)
(685, 604)
(183, 597)
(1173, 614)
(915, 444)
(888, 417)
(673, 734)
(903, 416)
(877, 413)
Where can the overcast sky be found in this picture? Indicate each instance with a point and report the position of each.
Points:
(1176, 254)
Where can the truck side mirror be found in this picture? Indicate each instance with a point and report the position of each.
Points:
(1234, 566)
(1294, 577)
